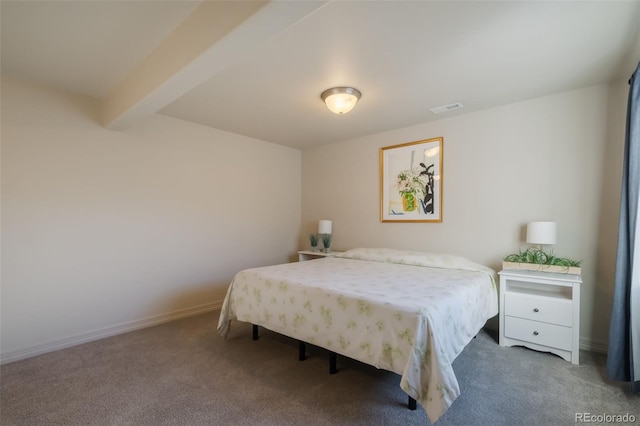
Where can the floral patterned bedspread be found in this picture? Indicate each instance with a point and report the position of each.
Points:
(407, 312)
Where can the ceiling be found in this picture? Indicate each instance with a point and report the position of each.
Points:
(258, 68)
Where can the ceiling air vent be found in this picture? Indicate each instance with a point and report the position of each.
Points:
(445, 108)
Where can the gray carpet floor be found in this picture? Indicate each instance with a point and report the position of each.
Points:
(184, 373)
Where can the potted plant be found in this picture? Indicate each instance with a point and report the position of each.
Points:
(326, 240)
(537, 259)
(313, 240)
(411, 186)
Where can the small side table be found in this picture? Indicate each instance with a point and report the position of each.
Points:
(309, 255)
(541, 310)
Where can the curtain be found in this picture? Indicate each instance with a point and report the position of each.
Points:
(623, 360)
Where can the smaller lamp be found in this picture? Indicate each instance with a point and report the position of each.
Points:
(341, 100)
(324, 229)
(541, 233)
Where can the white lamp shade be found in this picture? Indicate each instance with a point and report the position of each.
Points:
(324, 227)
(541, 233)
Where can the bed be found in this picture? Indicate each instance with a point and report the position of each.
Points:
(408, 312)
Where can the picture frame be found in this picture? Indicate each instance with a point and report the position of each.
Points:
(411, 181)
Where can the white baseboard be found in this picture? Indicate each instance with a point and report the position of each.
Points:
(5, 358)
(101, 333)
(594, 346)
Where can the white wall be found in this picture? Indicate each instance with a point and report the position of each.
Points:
(106, 231)
(551, 158)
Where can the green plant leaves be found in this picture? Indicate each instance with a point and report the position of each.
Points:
(538, 256)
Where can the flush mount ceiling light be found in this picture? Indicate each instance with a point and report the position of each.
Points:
(341, 99)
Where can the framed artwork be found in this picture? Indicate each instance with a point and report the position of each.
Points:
(411, 182)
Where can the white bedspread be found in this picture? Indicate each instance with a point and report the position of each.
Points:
(408, 312)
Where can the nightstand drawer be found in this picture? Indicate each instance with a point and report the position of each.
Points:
(539, 308)
(541, 333)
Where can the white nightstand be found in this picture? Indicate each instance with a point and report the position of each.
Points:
(541, 310)
(308, 254)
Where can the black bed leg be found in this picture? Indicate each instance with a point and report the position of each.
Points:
(255, 332)
(332, 363)
(412, 404)
(302, 351)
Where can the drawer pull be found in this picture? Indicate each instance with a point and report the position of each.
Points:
(536, 310)
(535, 333)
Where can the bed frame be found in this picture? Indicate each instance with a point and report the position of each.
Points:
(333, 359)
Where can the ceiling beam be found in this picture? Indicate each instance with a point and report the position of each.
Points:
(214, 37)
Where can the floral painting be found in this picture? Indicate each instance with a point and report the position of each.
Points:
(411, 182)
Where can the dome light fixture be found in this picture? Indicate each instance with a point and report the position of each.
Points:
(340, 100)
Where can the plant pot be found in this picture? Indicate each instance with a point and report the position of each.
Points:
(543, 268)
